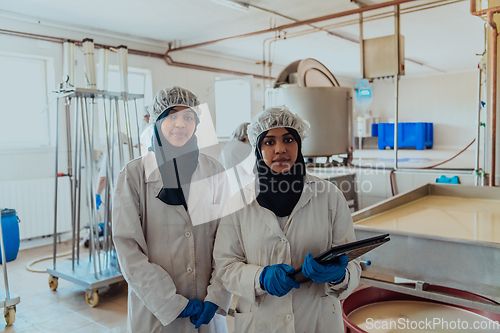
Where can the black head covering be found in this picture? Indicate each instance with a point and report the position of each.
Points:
(280, 192)
(176, 164)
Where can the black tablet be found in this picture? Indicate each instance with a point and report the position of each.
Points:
(352, 250)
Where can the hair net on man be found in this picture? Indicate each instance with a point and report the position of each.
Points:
(240, 133)
(171, 97)
(279, 116)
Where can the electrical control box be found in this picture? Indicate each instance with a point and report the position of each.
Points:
(380, 57)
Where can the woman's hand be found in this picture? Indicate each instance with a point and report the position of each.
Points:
(324, 273)
(275, 280)
(193, 308)
(205, 316)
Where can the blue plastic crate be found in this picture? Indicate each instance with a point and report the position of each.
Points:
(374, 129)
(410, 135)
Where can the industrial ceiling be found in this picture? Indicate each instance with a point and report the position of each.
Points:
(440, 35)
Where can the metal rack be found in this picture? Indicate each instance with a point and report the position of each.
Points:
(8, 300)
(100, 268)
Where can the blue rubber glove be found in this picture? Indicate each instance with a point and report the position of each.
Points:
(205, 316)
(98, 201)
(193, 308)
(324, 273)
(275, 280)
(101, 229)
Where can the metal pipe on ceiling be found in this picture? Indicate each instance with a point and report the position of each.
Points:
(370, 18)
(295, 20)
(475, 12)
(264, 66)
(168, 59)
(296, 24)
(171, 62)
(407, 10)
(493, 92)
(493, 86)
(360, 21)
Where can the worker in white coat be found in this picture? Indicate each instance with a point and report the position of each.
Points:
(147, 133)
(118, 160)
(238, 159)
(289, 218)
(165, 217)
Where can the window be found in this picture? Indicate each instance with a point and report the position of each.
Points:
(139, 82)
(233, 104)
(24, 116)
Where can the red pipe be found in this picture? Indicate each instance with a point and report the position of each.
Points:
(297, 24)
(171, 62)
(493, 92)
(493, 86)
(484, 11)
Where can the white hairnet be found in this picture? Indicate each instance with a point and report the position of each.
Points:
(279, 116)
(170, 97)
(240, 133)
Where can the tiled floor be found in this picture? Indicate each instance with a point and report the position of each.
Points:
(64, 310)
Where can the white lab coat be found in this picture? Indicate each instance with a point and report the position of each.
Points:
(165, 256)
(251, 238)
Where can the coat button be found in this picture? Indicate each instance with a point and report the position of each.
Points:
(187, 234)
(283, 240)
(190, 270)
(288, 317)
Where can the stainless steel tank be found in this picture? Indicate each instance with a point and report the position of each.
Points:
(327, 109)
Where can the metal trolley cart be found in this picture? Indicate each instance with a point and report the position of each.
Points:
(100, 268)
(8, 300)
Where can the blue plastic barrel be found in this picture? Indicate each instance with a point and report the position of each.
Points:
(11, 239)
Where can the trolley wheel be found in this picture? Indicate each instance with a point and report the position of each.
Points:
(92, 298)
(10, 315)
(53, 282)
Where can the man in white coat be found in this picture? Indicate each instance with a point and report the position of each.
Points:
(291, 217)
(165, 217)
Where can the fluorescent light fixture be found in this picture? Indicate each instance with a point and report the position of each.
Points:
(238, 5)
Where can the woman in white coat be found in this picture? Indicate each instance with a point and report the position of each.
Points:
(290, 218)
(165, 217)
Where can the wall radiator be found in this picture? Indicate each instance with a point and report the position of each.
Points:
(33, 201)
